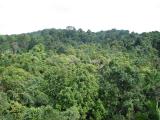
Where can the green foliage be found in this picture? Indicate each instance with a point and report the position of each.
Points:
(4, 103)
(76, 75)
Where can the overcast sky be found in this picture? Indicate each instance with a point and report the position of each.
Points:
(20, 16)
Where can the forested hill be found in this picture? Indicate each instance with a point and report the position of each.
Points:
(69, 74)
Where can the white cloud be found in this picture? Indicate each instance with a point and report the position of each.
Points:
(18, 16)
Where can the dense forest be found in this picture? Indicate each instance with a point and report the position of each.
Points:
(69, 74)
